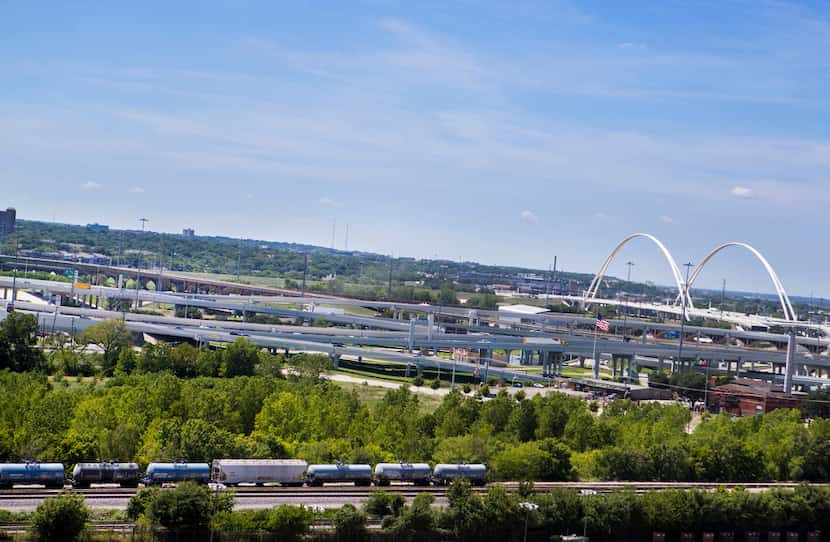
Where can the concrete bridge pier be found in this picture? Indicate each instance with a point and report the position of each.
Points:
(558, 359)
(581, 362)
(335, 360)
(507, 353)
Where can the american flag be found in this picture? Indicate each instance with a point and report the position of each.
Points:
(602, 324)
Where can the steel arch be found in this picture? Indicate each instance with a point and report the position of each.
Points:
(678, 278)
(789, 313)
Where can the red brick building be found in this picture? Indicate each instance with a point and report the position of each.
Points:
(750, 397)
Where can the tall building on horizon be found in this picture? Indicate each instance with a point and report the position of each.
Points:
(8, 220)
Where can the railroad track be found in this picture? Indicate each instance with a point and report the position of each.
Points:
(20, 527)
(344, 491)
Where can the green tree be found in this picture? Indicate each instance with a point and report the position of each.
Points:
(286, 522)
(350, 524)
(447, 296)
(189, 505)
(522, 421)
(112, 336)
(18, 343)
(417, 522)
(61, 519)
(138, 503)
(465, 514)
(240, 358)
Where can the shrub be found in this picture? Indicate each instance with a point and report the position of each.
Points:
(288, 523)
(435, 384)
(138, 503)
(350, 524)
(61, 518)
(188, 506)
(381, 503)
(418, 381)
(466, 388)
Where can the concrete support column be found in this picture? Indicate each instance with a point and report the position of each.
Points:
(541, 357)
(430, 325)
(335, 360)
(581, 362)
(507, 353)
(788, 375)
(613, 367)
(660, 364)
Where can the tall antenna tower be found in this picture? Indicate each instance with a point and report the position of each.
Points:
(346, 242)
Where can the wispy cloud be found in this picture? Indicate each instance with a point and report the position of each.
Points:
(326, 201)
(666, 219)
(136, 190)
(631, 45)
(91, 185)
(742, 192)
(529, 216)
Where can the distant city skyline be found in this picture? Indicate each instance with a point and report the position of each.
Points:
(503, 133)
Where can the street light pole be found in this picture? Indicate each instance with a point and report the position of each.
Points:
(625, 301)
(687, 265)
(138, 271)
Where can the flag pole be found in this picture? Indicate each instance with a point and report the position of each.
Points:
(596, 361)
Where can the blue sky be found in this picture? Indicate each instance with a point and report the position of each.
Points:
(501, 132)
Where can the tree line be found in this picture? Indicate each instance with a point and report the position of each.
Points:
(494, 516)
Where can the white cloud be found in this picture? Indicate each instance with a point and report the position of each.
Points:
(631, 45)
(529, 217)
(743, 192)
(600, 214)
(136, 190)
(329, 202)
(666, 219)
(90, 185)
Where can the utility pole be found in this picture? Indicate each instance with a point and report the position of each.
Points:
(305, 270)
(687, 265)
(553, 278)
(238, 259)
(389, 287)
(722, 298)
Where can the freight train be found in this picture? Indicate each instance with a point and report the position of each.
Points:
(232, 472)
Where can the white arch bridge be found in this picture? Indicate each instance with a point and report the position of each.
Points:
(684, 288)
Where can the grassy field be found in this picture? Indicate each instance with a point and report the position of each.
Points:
(372, 395)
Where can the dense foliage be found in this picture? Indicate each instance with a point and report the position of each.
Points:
(498, 515)
(146, 416)
(60, 519)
